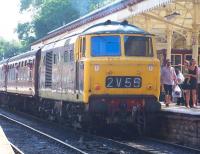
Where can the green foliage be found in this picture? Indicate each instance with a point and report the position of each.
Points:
(86, 6)
(96, 4)
(48, 15)
(9, 49)
(26, 34)
(25, 4)
(53, 14)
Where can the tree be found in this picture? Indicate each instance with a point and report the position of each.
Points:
(25, 4)
(53, 14)
(9, 49)
(50, 15)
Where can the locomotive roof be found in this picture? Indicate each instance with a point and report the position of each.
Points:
(113, 27)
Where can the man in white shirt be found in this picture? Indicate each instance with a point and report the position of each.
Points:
(168, 80)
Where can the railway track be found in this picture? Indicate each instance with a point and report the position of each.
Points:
(156, 146)
(97, 144)
(16, 149)
(25, 137)
(84, 142)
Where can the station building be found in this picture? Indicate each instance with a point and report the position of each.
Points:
(175, 24)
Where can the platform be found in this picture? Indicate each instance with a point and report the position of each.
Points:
(180, 109)
(5, 147)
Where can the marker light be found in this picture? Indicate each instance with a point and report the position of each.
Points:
(150, 67)
(96, 67)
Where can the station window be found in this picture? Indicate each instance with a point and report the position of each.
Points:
(188, 57)
(176, 61)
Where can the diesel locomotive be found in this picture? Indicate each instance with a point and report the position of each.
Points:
(108, 74)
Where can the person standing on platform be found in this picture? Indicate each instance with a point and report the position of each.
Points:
(186, 83)
(180, 80)
(168, 80)
(193, 73)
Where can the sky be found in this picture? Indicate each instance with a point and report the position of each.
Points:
(9, 18)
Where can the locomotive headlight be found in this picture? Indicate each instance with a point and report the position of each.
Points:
(150, 67)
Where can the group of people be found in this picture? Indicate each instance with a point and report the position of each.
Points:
(183, 86)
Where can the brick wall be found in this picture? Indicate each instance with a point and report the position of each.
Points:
(179, 128)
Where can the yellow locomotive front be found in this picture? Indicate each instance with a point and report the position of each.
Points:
(121, 71)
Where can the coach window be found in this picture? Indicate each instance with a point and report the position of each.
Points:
(66, 56)
(71, 55)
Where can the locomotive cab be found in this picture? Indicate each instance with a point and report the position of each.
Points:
(121, 71)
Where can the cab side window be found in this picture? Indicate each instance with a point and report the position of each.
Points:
(82, 47)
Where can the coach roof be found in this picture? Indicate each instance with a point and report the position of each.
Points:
(23, 55)
(112, 27)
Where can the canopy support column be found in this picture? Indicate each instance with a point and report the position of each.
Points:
(169, 41)
(188, 40)
(195, 32)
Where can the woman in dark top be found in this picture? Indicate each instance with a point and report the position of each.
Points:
(186, 84)
(193, 73)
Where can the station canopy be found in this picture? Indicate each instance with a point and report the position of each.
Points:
(182, 17)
